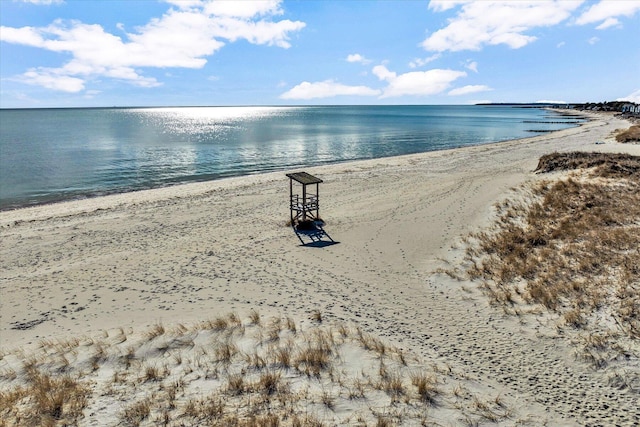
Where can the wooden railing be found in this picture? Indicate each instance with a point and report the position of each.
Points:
(310, 203)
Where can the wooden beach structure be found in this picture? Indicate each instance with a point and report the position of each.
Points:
(305, 207)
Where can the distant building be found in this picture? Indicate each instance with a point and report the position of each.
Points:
(624, 107)
(631, 109)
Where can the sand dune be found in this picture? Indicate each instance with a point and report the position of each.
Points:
(189, 253)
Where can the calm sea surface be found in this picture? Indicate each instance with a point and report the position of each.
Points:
(50, 155)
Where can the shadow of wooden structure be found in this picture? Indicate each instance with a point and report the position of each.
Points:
(305, 207)
(316, 237)
(305, 210)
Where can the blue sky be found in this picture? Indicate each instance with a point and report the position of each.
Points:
(77, 53)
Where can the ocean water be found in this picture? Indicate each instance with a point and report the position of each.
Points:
(49, 155)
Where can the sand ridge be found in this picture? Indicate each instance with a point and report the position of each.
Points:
(186, 253)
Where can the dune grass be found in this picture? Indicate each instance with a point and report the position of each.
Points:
(573, 246)
(629, 135)
(44, 399)
(230, 372)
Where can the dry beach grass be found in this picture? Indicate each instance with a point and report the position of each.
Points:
(573, 246)
(233, 372)
(630, 135)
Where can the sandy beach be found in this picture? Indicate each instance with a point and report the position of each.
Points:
(184, 254)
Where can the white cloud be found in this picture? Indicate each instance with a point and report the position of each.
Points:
(442, 5)
(483, 23)
(608, 23)
(420, 62)
(550, 101)
(381, 72)
(326, 89)
(356, 57)
(51, 79)
(90, 94)
(416, 83)
(465, 90)
(45, 2)
(182, 38)
(472, 65)
(185, 4)
(243, 9)
(633, 97)
(593, 40)
(560, 44)
(479, 101)
(607, 11)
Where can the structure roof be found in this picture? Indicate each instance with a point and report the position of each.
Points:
(304, 178)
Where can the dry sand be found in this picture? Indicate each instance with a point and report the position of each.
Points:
(198, 251)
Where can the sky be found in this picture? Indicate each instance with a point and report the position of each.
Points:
(89, 53)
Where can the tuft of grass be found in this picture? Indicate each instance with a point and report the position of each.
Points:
(155, 331)
(225, 351)
(269, 383)
(218, 324)
(574, 318)
(291, 325)
(255, 361)
(316, 316)
(128, 357)
(369, 342)
(137, 412)
(328, 400)
(254, 317)
(393, 386)
(236, 385)
(205, 410)
(312, 361)
(45, 399)
(306, 421)
(384, 421)
(152, 373)
(491, 410)
(274, 329)
(283, 357)
(426, 387)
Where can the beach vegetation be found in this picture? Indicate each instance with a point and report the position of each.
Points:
(316, 316)
(44, 399)
(426, 387)
(629, 135)
(155, 331)
(137, 412)
(212, 375)
(571, 245)
(254, 316)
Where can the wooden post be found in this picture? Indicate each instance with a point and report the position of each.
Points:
(317, 200)
(291, 199)
(304, 202)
